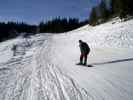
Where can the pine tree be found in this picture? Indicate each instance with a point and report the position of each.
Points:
(122, 8)
(104, 10)
(93, 16)
(116, 6)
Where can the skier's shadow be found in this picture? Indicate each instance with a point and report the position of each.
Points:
(90, 65)
(111, 62)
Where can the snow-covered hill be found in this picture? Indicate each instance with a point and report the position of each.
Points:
(44, 67)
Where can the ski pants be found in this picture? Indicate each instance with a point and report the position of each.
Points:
(83, 56)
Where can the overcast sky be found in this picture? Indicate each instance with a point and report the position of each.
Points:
(34, 11)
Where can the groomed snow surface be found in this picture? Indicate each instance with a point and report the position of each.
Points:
(44, 67)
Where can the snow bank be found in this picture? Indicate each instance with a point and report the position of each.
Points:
(119, 34)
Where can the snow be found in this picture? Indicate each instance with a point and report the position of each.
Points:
(45, 65)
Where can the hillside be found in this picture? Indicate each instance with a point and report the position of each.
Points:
(45, 65)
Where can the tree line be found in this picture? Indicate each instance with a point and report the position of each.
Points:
(57, 25)
(106, 10)
(12, 29)
(99, 14)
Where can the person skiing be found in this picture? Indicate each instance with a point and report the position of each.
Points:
(14, 49)
(84, 49)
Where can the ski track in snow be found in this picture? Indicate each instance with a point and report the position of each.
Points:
(49, 83)
(15, 81)
(35, 78)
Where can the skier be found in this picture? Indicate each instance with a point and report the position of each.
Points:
(84, 49)
(14, 49)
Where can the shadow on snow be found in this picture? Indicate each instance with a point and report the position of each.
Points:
(111, 62)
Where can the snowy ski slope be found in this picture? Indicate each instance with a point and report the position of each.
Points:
(46, 69)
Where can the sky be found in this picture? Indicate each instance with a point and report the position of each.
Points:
(35, 11)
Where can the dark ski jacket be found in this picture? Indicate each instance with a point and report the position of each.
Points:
(84, 48)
